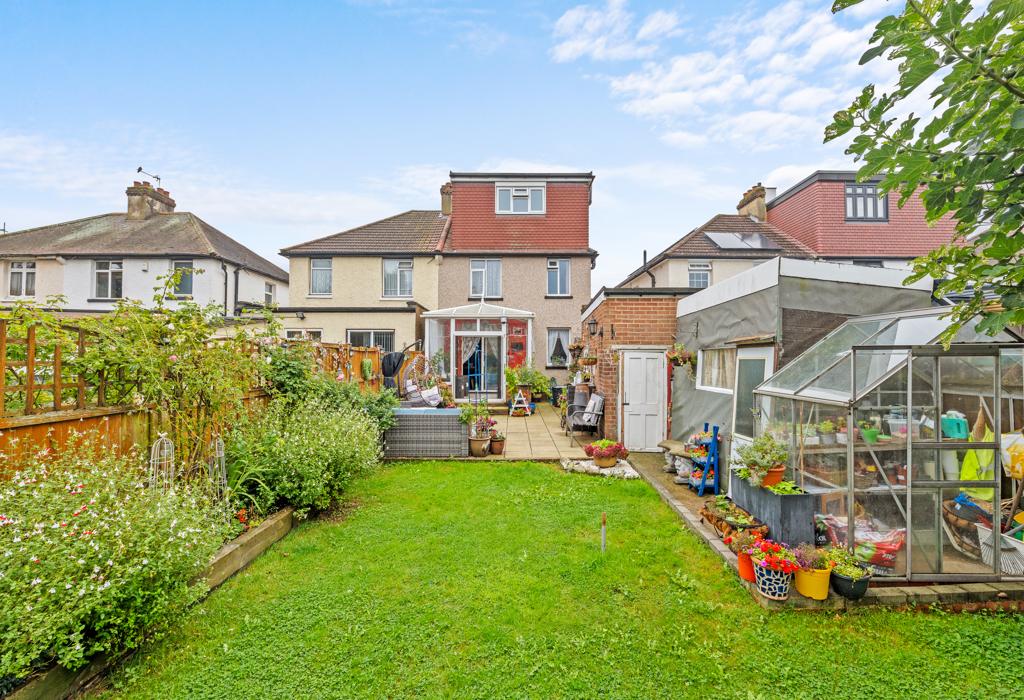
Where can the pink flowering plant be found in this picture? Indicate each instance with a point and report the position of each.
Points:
(606, 448)
(93, 560)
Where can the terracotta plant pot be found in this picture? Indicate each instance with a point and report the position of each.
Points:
(497, 446)
(813, 583)
(773, 476)
(606, 462)
(746, 567)
(478, 446)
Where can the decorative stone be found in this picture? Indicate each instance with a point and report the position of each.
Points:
(621, 470)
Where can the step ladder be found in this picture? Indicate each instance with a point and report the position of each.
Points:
(519, 402)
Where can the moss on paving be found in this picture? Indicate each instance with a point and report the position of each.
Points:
(486, 580)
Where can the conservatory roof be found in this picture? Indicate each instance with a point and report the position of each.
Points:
(479, 310)
(824, 372)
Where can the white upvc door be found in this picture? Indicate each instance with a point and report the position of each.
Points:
(753, 366)
(644, 401)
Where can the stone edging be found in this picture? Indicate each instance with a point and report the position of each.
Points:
(232, 557)
(964, 597)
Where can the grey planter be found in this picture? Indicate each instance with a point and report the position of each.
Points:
(426, 432)
(790, 519)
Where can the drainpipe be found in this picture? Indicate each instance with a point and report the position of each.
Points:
(224, 269)
(237, 270)
(654, 281)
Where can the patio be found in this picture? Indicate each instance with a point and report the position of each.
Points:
(537, 437)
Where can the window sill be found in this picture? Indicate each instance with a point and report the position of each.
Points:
(714, 389)
(319, 296)
(398, 298)
(558, 296)
(487, 299)
(520, 213)
(866, 221)
(107, 300)
(556, 366)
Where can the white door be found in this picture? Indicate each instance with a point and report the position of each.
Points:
(753, 366)
(644, 381)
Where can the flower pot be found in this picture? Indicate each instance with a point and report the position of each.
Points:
(772, 584)
(746, 567)
(827, 438)
(849, 588)
(813, 583)
(497, 446)
(870, 435)
(606, 462)
(841, 438)
(478, 446)
(773, 476)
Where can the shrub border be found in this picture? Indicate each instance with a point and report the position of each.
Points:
(232, 557)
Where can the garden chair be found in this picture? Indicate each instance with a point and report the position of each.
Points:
(584, 418)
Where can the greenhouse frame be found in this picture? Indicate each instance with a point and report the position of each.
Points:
(920, 442)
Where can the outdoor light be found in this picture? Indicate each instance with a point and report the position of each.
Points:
(592, 326)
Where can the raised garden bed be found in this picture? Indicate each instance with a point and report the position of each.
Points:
(789, 518)
(60, 682)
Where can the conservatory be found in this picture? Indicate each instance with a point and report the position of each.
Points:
(471, 345)
(921, 444)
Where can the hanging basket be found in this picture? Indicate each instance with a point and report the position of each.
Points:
(772, 584)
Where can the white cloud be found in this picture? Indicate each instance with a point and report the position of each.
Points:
(684, 139)
(607, 34)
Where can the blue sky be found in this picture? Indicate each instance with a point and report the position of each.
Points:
(279, 122)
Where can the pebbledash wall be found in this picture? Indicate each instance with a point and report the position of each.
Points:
(627, 318)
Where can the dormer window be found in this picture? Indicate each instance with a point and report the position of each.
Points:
(864, 204)
(516, 198)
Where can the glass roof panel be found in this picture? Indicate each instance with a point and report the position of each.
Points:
(823, 354)
(911, 330)
(833, 384)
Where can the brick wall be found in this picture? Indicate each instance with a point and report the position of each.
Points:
(637, 321)
(816, 216)
(565, 225)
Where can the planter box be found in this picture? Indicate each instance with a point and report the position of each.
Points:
(426, 432)
(790, 519)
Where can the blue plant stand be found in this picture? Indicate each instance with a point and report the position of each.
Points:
(710, 462)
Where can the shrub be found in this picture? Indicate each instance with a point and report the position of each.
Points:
(92, 560)
(302, 454)
(340, 396)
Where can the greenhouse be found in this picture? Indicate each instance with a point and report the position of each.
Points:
(920, 443)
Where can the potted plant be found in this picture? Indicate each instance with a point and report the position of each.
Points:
(478, 418)
(869, 432)
(740, 542)
(497, 443)
(764, 459)
(606, 453)
(774, 566)
(827, 432)
(841, 435)
(849, 577)
(813, 575)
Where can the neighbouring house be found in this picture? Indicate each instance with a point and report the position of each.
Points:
(843, 220)
(96, 261)
(515, 273)
(369, 285)
(746, 328)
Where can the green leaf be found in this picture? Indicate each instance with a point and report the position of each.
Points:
(872, 53)
(1017, 120)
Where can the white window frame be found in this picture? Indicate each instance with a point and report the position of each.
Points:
(864, 193)
(401, 265)
(108, 272)
(517, 190)
(181, 264)
(373, 336)
(330, 277)
(304, 334)
(269, 293)
(21, 268)
(698, 267)
(484, 263)
(700, 371)
(555, 264)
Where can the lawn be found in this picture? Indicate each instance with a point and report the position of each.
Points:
(486, 580)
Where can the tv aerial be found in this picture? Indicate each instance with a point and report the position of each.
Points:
(155, 177)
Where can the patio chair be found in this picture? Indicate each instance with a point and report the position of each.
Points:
(427, 397)
(584, 418)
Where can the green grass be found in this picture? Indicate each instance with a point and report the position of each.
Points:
(486, 580)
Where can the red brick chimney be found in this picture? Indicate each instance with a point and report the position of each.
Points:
(144, 201)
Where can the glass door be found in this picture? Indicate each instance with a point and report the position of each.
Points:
(478, 367)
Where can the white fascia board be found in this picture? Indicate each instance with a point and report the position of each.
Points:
(853, 274)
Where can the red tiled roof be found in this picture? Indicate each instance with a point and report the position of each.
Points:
(564, 227)
(417, 231)
(814, 213)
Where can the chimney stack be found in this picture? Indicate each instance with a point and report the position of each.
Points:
(144, 201)
(446, 198)
(753, 204)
